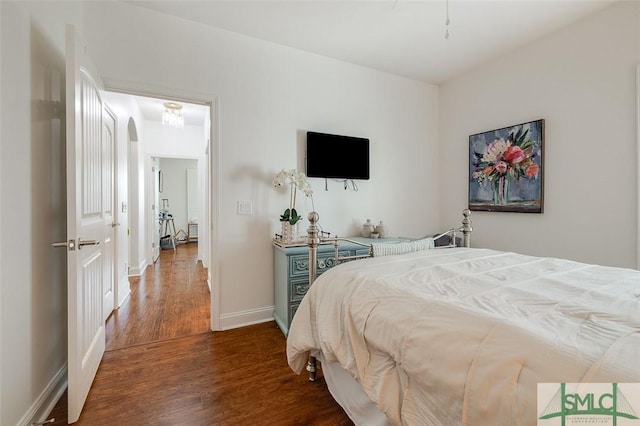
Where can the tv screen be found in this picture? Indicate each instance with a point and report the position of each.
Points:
(337, 157)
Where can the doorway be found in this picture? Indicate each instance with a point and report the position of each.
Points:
(176, 194)
(158, 143)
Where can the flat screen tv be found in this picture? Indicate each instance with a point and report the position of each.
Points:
(337, 157)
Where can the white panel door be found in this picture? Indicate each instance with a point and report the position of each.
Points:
(109, 211)
(85, 225)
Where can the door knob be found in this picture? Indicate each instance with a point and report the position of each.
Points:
(71, 244)
(82, 242)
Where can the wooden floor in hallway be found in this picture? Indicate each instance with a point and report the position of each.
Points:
(164, 367)
(171, 299)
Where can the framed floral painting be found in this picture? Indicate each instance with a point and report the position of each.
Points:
(506, 169)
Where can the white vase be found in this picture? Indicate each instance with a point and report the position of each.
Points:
(367, 228)
(290, 232)
(382, 230)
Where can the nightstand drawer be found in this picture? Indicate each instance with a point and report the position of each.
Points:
(298, 289)
(292, 310)
(299, 264)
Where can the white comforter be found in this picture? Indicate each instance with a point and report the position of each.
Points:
(463, 336)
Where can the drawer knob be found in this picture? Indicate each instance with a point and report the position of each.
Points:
(301, 289)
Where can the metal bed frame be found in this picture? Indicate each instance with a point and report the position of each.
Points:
(314, 239)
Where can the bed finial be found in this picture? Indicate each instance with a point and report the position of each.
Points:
(312, 241)
(466, 228)
(313, 218)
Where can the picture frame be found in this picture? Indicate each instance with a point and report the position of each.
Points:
(506, 169)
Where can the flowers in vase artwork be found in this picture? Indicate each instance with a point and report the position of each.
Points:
(297, 181)
(505, 169)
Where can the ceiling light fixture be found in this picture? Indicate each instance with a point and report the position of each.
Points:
(172, 115)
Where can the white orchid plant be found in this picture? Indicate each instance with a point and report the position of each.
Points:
(296, 181)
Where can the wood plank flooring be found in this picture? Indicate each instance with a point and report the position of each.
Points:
(163, 371)
(171, 299)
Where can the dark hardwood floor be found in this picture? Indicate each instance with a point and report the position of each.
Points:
(164, 367)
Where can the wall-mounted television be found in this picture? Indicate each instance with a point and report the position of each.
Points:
(337, 157)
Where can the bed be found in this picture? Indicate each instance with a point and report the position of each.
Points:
(464, 335)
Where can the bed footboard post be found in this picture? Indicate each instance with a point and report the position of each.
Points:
(312, 241)
(466, 228)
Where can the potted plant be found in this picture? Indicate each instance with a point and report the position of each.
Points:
(375, 233)
(296, 180)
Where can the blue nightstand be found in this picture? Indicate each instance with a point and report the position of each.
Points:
(291, 269)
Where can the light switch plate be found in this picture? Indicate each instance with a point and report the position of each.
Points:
(245, 207)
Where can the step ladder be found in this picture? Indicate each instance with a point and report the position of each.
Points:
(168, 227)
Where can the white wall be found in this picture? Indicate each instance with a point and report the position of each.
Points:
(581, 80)
(268, 97)
(157, 208)
(167, 141)
(33, 311)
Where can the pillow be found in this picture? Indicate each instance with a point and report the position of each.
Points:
(388, 249)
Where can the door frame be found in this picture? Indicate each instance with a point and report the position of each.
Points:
(210, 232)
(116, 212)
(638, 163)
(155, 207)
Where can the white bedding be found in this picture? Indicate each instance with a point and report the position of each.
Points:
(463, 336)
(349, 394)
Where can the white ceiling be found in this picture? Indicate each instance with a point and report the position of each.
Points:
(397, 36)
(401, 37)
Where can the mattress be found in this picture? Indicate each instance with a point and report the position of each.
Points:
(463, 336)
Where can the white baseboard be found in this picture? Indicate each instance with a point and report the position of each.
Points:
(136, 271)
(47, 400)
(244, 318)
(123, 295)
